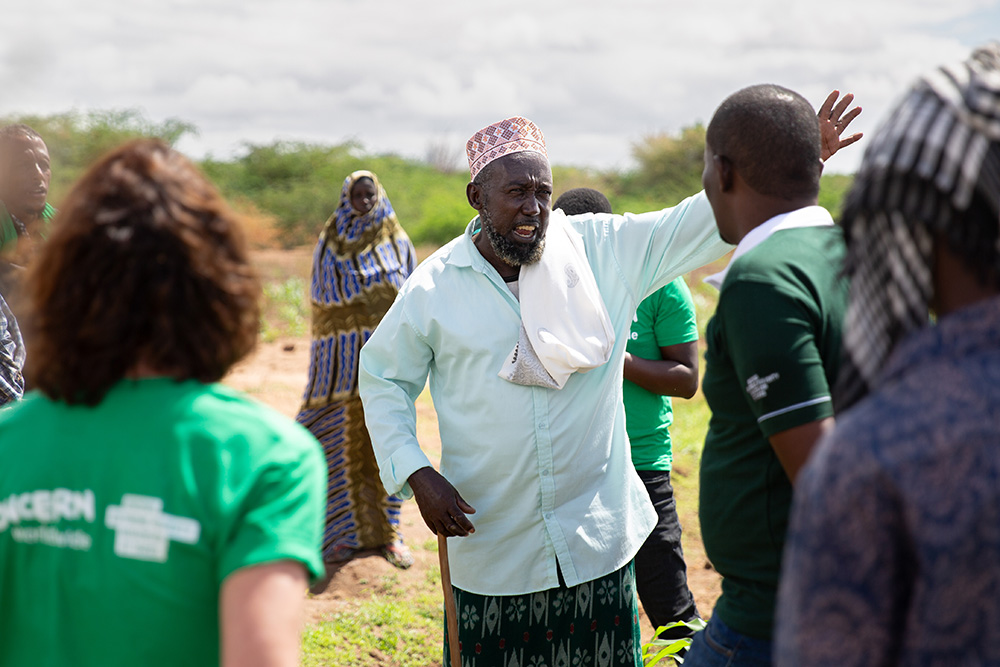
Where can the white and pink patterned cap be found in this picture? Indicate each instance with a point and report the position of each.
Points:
(511, 135)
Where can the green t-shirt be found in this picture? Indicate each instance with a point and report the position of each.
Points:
(773, 354)
(664, 318)
(8, 232)
(119, 523)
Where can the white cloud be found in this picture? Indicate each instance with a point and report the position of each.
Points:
(398, 75)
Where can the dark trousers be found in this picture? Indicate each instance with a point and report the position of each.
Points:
(660, 572)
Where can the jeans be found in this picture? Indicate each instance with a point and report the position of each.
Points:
(660, 572)
(718, 645)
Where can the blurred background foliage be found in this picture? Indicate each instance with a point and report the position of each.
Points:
(289, 189)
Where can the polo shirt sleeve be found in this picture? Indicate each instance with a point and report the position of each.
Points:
(675, 321)
(393, 370)
(279, 506)
(771, 337)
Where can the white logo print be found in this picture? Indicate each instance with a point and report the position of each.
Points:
(144, 532)
(757, 386)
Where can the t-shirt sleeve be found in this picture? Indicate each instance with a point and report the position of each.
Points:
(278, 513)
(771, 337)
(675, 321)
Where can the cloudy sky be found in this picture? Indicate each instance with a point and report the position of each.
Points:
(406, 75)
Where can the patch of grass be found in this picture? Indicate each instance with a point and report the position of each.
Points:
(407, 632)
(389, 584)
(285, 309)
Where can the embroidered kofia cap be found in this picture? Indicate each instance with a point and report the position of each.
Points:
(512, 135)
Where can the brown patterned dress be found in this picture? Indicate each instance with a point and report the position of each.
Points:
(360, 262)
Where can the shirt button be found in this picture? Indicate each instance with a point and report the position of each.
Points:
(542, 424)
(545, 473)
(548, 515)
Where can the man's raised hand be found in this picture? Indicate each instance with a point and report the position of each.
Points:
(833, 121)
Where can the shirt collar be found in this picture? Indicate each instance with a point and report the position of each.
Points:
(809, 216)
(465, 252)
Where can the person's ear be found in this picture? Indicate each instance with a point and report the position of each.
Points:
(474, 193)
(725, 171)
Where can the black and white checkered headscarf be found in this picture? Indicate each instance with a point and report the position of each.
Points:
(932, 169)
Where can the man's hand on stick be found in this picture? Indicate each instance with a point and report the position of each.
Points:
(833, 121)
(441, 506)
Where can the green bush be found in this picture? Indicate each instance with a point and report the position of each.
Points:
(297, 184)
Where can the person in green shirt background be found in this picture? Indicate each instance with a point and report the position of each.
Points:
(661, 360)
(25, 213)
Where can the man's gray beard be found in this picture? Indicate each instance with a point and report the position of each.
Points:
(514, 254)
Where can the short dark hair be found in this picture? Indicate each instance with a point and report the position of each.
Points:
(583, 200)
(771, 135)
(145, 264)
(18, 130)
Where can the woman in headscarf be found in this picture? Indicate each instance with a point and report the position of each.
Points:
(361, 260)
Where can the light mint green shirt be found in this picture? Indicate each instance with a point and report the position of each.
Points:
(548, 471)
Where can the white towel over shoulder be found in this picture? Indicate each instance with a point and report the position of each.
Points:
(564, 324)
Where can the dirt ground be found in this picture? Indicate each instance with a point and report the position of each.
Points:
(275, 375)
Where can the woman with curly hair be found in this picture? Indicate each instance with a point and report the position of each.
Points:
(149, 516)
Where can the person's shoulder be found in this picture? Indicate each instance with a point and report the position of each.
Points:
(801, 246)
(29, 408)
(429, 272)
(675, 291)
(791, 255)
(230, 416)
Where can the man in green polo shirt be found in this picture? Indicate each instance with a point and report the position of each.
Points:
(773, 348)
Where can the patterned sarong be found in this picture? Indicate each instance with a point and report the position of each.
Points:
(359, 514)
(595, 624)
(360, 262)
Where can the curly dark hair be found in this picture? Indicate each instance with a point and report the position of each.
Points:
(146, 268)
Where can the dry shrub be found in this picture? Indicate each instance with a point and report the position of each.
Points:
(260, 227)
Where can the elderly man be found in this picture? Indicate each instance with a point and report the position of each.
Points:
(894, 552)
(532, 427)
(521, 325)
(773, 348)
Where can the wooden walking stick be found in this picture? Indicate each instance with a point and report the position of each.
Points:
(450, 613)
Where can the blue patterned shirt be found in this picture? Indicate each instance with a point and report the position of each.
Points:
(894, 549)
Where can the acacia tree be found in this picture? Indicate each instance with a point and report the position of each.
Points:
(669, 165)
